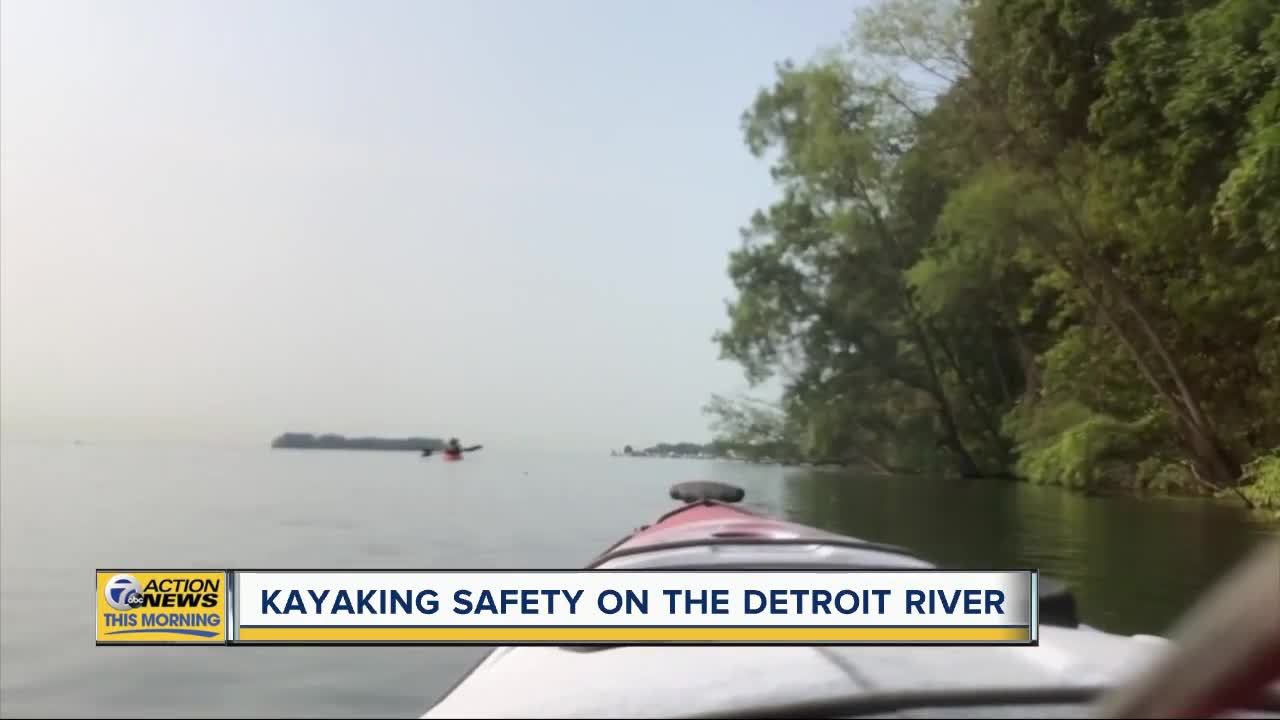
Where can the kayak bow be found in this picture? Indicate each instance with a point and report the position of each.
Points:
(1072, 665)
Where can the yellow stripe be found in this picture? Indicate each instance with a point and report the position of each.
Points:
(634, 634)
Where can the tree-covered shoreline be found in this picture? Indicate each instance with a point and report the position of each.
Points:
(1028, 238)
(330, 441)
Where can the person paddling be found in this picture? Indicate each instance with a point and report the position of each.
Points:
(453, 449)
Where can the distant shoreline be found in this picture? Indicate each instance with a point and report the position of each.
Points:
(329, 441)
(724, 452)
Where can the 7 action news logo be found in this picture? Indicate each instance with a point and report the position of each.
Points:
(124, 592)
(179, 606)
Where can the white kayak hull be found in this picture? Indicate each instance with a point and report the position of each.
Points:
(657, 681)
(648, 681)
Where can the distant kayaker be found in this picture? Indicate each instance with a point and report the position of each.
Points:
(452, 450)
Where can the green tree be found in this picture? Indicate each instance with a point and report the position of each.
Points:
(1029, 233)
(751, 429)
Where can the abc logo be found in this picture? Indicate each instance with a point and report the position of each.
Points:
(123, 592)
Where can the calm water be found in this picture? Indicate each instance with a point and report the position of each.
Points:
(65, 510)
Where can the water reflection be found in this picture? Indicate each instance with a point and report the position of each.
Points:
(1135, 565)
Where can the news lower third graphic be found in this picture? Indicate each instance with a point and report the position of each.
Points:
(576, 607)
(162, 607)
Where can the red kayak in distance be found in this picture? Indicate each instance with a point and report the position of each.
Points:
(450, 455)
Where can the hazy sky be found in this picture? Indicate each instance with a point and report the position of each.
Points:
(503, 220)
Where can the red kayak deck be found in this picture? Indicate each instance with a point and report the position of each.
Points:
(709, 531)
(709, 522)
(710, 519)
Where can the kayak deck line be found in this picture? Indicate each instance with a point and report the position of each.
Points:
(622, 552)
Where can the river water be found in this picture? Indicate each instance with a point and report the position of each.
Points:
(65, 510)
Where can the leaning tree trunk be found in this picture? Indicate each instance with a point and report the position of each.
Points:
(985, 414)
(1200, 438)
(950, 429)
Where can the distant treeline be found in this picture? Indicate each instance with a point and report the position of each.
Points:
(681, 449)
(338, 442)
(763, 452)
